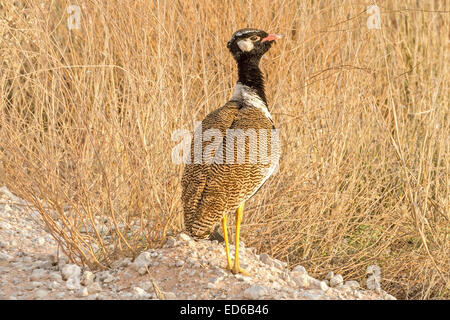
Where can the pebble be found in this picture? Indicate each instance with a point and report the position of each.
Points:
(40, 241)
(184, 237)
(300, 269)
(73, 283)
(311, 295)
(108, 277)
(87, 278)
(54, 285)
(142, 270)
(140, 293)
(60, 295)
(171, 242)
(147, 286)
(41, 293)
(323, 286)
(38, 274)
(265, 258)
(278, 264)
(143, 260)
(70, 271)
(170, 295)
(317, 284)
(5, 257)
(179, 263)
(336, 280)
(55, 276)
(83, 292)
(94, 288)
(255, 292)
(329, 275)
(302, 280)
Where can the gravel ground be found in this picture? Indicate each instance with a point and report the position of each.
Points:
(32, 269)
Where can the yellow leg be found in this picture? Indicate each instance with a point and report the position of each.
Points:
(225, 236)
(237, 268)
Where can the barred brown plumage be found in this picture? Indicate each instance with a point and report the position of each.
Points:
(212, 189)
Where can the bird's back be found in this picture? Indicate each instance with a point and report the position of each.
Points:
(211, 190)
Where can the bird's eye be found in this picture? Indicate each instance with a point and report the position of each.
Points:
(254, 38)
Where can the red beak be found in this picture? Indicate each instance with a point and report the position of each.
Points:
(272, 37)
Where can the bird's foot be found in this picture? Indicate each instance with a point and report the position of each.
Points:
(237, 269)
(228, 267)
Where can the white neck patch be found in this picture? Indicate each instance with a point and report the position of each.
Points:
(251, 98)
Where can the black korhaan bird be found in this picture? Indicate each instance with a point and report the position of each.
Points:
(213, 189)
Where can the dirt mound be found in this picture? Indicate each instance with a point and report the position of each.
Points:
(30, 268)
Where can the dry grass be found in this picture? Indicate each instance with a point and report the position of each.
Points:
(87, 117)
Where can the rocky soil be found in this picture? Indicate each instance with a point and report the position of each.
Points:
(32, 268)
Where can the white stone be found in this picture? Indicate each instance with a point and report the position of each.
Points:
(255, 292)
(62, 261)
(300, 269)
(329, 275)
(60, 295)
(40, 241)
(323, 286)
(170, 295)
(179, 263)
(276, 286)
(41, 293)
(55, 276)
(301, 280)
(142, 270)
(87, 278)
(107, 277)
(318, 284)
(38, 274)
(83, 292)
(70, 271)
(53, 285)
(147, 286)
(278, 264)
(265, 258)
(184, 237)
(73, 283)
(125, 262)
(171, 242)
(140, 293)
(310, 295)
(373, 283)
(143, 260)
(336, 280)
(5, 257)
(94, 288)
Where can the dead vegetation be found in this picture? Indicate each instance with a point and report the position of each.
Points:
(86, 119)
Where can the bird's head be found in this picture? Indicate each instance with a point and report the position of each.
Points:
(250, 44)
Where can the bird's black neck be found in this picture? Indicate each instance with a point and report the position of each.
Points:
(251, 76)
